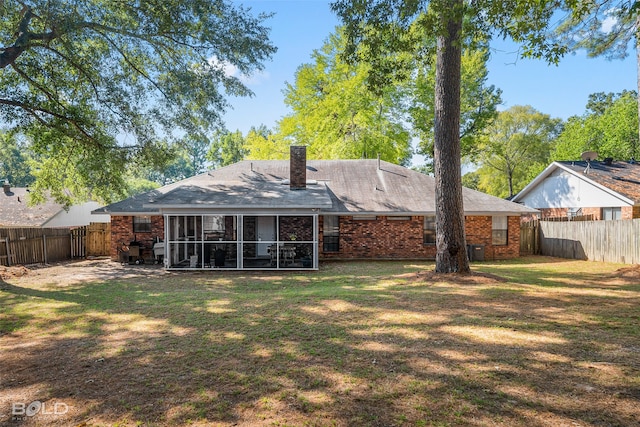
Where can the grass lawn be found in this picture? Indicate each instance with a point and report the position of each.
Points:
(530, 342)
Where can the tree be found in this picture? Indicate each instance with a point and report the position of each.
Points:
(606, 28)
(471, 180)
(515, 147)
(196, 150)
(182, 164)
(378, 30)
(14, 158)
(478, 101)
(108, 81)
(227, 148)
(337, 116)
(607, 127)
(262, 144)
(136, 185)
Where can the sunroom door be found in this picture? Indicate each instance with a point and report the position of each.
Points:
(266, 226)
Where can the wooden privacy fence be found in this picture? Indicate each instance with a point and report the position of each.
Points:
(609, 241)
(530, 239)
(20, 246)
(34, 245)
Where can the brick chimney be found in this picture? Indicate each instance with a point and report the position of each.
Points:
(297, 167)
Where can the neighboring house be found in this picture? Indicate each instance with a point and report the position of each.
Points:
(602, 190)
(16, 212)
(291, 214)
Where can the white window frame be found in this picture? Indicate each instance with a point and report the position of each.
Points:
(500, 230)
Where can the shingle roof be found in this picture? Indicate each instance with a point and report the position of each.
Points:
(349, 186)
(16, 212)
(621, 177)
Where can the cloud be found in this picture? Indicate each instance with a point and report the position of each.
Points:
(256, 78)
(231, 70)
(608, 24)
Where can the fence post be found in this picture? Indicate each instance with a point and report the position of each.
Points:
(6, 242)
(44, 247)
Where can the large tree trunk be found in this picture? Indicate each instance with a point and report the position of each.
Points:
(451, 255)
(510, 180)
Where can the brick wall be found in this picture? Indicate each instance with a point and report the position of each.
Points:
(122, 232)
(382, 238)
(478, 230)
(300, 227)
(512, 249)
(297, 167)
(595, 212)
(627, 212)
(388, 239)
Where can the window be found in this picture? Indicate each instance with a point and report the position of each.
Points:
(499, 228)
(429, 230)
(142, 224)
(611, 213)
(214, 223)
(331, 234)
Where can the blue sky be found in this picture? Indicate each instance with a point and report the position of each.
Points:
(300, 26)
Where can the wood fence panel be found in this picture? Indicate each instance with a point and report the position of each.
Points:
(78, 242)
(58, 248)
(610, 241)
(34, 245)
(98, 239)
(4, 251)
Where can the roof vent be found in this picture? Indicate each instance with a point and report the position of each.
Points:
(587, 156)
(6, 187)
(608, 161)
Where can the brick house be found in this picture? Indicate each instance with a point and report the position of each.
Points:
(599, 190)
(292, 214)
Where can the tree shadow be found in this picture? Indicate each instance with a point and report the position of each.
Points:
(356, 345)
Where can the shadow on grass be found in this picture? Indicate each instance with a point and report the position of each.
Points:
(359, 344)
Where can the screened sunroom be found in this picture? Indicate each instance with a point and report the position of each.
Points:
(241, 242)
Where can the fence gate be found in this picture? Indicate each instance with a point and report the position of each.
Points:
(530, 238)
(98, 239)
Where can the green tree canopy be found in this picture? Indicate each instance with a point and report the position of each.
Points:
(607, 28)
(98, 85)
(478, 101)
(227, 148)
(515, 148)
(380, 33)
(608, 127)
(336, 115)
(188, 159)
(603, 27)
(263, 144)
(14, 158)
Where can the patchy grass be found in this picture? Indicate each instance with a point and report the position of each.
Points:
(530, 342)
